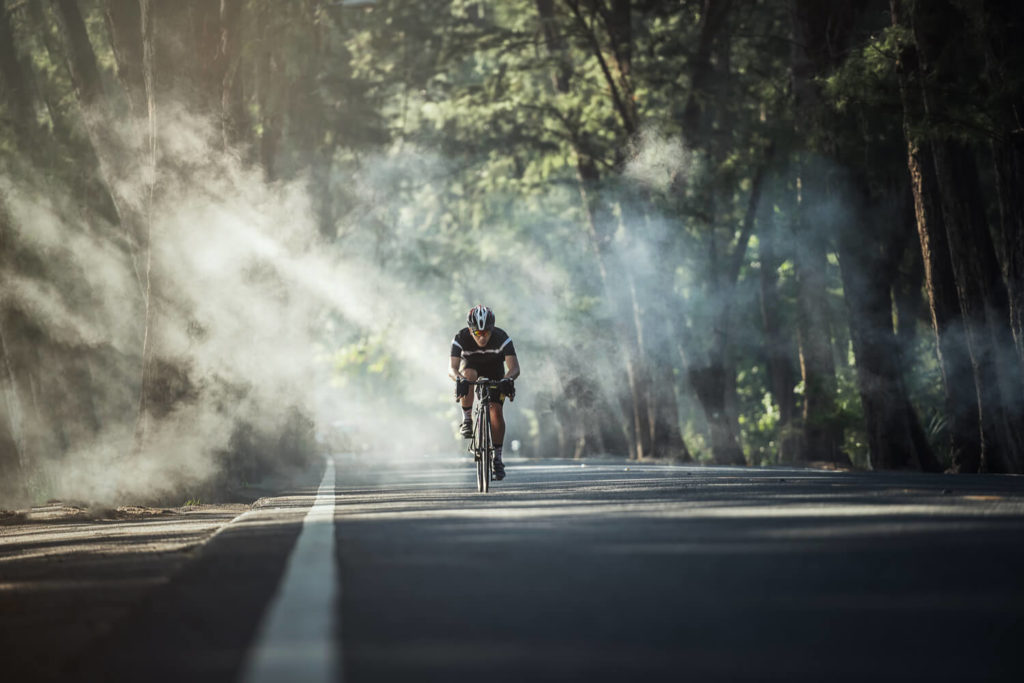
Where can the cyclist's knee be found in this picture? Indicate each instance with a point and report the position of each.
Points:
(470, 374)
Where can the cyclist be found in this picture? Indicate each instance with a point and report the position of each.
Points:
(482, 351)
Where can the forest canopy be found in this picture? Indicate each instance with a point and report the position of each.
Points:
(236, 232)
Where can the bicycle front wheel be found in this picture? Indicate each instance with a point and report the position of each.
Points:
(480, 452)
(480, 473)
(486, 473)
(483, 465)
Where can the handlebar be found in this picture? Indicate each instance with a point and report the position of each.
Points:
(488, 383)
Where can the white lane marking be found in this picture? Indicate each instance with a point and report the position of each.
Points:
(296, 639)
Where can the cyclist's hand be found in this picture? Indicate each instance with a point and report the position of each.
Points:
(461, 388)
(507, 387)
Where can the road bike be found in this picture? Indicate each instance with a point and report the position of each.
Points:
(481, 445)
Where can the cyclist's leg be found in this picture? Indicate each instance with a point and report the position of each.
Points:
(498, 437)
(497, 423)
(466, 429)
(472, 375)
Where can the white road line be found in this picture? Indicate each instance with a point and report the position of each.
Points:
(296, 639)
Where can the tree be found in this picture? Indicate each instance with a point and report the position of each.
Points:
(961, 406)
(982, 293)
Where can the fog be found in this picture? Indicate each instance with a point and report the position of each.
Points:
(266, 316)
(272, 324)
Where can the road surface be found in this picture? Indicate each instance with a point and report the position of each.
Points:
(605, 571)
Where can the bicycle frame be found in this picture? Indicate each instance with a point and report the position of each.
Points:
(481, 446)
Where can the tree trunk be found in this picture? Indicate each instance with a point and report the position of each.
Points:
(1008, 159)
(85, 73)
(63, 128)
(984, 301)
(778, 346)
(147, 379)
(554, 42)
(124, 25)
(822, 433)
(269, 95)
(709, 383)
(1001, 23)
(14, 464)
(959, 387)
(868, 266)
(18, 91)
(620, 88)
(617, 283)
(710, 373)
(821, 39)
(235, 124)
(985, 308)
(713, 21)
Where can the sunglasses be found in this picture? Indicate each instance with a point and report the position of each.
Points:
(480, 333)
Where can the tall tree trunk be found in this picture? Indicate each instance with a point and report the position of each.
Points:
(822, 433)
(63, 127)
(821, 39)
(13, 489)
(234, 118)
(779, 349)
(711, 374)
(619, 85)
(149, 364)
(269, 95)
(985, 308)
(868, 266)
(617, 282)
(14, 464)
(555, 44)
(1001, 24)
(117, 164)
(124, 25)
(714, 382)
(17, 87)
(713, 21)
(959, 387)
(984, 301)
(85, 73)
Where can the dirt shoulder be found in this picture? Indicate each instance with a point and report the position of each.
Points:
(68, 573)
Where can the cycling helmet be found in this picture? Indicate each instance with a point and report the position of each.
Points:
(480, 318)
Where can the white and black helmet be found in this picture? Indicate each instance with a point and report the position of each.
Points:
(480, 318)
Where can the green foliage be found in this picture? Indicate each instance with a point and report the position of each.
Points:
(455, 150)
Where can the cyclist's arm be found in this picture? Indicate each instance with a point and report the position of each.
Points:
(513, 367)
(454, 373)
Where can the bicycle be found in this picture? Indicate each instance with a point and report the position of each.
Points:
(481, 445)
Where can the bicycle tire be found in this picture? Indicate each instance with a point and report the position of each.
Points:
(485, 448)
(478, 454)
(477, 447)
(480, 475)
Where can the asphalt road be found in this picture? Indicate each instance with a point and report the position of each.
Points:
(602, 572)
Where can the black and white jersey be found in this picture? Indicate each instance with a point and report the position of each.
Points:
(488, 360)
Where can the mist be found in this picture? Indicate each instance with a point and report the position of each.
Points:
(268, 321)
(221, 261)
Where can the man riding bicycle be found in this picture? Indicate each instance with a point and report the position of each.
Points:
(481, 350)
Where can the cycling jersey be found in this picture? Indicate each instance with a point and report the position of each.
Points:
(488, 360)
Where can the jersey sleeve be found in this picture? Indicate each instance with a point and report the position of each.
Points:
(456, 347)
(508, 348)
